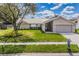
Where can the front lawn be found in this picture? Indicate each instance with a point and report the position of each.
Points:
(77, 30)
(30, 36)
(37, 49)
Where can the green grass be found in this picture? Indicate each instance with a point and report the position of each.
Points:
(30, 36)
(38, 48)
(77, 30)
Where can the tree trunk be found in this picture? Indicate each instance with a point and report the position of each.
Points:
(15, 29)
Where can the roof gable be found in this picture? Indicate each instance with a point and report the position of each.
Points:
(69, 21)
(57, 18)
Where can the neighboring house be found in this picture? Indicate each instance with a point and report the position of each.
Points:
(4, 25)
(53, 25)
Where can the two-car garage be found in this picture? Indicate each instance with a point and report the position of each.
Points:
(63, 28)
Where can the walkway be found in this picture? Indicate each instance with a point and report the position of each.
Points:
(35, 43)
(40, 54)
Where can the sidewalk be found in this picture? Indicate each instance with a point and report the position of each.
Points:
(35, 43)
(41, 54)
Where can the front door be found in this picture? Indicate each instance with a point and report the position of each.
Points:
(48, 26)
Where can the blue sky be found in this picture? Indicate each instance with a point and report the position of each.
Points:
(58, 10)
(50, 9)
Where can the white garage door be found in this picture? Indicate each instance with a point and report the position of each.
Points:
(63, 28)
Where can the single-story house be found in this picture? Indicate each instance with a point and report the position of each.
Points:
(54, 25)
(2, 26)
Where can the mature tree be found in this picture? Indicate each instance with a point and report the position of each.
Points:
(12, 12)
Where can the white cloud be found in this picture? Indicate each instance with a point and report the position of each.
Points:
(42, 14)
(68, 12)
(68, 9)
(56, 7)
(46, 13)
(29, 16)
(49, 3)
(76, 15)
(42, 6)
(73, 16)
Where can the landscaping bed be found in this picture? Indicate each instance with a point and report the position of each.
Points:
(30, 36)
(37, 49)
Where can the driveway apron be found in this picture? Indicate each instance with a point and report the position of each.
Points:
(72, 36)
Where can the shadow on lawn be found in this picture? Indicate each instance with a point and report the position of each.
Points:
(20, 38)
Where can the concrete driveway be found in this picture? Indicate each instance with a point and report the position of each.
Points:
(72, 36)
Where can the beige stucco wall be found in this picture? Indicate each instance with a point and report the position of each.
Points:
(24, 26)
(27, 26)
(73, 28)
(43, 27)
(77, 25)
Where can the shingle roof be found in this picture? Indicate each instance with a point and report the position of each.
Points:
(32, 21)
(40, 20)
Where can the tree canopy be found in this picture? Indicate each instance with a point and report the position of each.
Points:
(11, 12)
